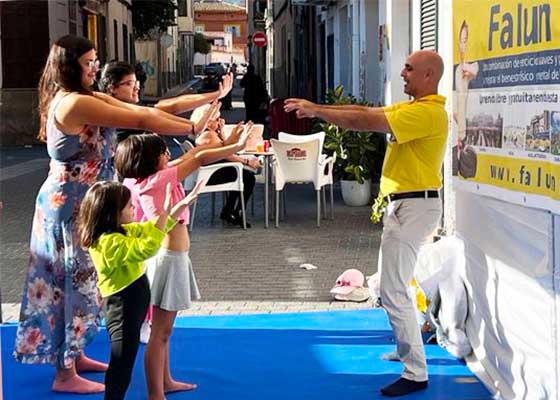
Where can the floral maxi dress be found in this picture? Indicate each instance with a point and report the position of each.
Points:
(60, 306)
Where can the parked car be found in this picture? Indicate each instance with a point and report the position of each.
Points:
(215, 68)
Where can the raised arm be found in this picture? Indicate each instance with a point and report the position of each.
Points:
(189, 163)
(357, 118)
(76, 111)
(187, 102)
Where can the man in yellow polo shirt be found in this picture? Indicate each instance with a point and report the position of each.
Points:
(410, 180)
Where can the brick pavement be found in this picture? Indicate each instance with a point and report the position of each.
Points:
(253, 271)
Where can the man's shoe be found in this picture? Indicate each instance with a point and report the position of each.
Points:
(403, 386)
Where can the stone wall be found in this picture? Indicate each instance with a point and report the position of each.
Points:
(19, 117)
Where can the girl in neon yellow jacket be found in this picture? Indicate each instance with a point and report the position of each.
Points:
(118, 247)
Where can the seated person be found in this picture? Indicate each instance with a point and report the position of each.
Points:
(212, 137)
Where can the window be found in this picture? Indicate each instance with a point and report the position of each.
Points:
(116, 38)
(235, 30)
(428, 24)
(199, 29)
(183, 8)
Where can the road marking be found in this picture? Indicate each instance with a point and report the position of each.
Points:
(24, 168)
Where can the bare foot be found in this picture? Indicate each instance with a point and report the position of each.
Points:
(77, 384)
(174, 386)
(86, 364)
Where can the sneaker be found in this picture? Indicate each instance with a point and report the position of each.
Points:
(145, 332)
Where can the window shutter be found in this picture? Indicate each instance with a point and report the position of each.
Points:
(428, 24)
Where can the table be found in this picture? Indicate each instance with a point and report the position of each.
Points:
(267, 159)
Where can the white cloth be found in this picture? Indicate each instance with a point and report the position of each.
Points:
(440, 274)
(407, 224)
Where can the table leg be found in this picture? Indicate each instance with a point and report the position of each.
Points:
(266, 161)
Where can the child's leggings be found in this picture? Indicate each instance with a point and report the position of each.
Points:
(124, 313)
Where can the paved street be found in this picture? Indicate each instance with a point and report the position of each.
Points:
(237, 271)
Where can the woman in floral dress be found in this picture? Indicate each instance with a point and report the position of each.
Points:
(60, 306)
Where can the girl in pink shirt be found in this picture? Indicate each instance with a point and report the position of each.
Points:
(144, 161)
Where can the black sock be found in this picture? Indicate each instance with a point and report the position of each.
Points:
(403, 386)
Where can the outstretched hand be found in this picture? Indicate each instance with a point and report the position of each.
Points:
(235, 133)
(247, 129)
(212, 112)
(225, 85)
(193, 194)
(303, 108)
(187, 200)
(167, 201)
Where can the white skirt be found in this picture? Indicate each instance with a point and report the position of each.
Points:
(172, 281)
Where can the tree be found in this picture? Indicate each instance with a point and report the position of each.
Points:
(152, 16)
(200, 44)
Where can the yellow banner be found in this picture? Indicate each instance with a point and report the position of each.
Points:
(507, 27)
(528, 176)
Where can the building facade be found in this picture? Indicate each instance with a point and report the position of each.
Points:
(218, 16)
(38, 24)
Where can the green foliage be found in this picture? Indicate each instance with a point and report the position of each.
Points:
(152, 16)
(359, 155)
(200, 44)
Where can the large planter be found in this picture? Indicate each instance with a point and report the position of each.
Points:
(356, 194)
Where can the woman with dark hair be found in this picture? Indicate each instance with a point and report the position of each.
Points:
(119, 79)
(60, 306)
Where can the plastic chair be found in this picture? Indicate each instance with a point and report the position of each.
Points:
(204, 173)
(288, 137)
(190, 181)
(300, 162)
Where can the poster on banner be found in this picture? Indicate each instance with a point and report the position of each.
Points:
(506, 100)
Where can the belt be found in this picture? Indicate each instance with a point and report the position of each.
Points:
(426, 194)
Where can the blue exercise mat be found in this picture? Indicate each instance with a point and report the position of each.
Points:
(307, 356)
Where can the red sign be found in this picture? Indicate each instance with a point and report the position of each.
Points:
(259, 39)
(296, 154)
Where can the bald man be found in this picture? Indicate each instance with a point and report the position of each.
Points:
(410, 181)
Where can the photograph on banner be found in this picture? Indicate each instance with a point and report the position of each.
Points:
(506, 100)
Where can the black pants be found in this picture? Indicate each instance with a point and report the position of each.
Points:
(229, 174)
(125, 311)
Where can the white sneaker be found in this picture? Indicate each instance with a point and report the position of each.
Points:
(145, 332)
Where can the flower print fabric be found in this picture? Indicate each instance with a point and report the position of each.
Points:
(60, 306)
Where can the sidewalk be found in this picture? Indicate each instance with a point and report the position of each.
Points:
(253, 271)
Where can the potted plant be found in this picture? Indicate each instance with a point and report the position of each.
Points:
(359, 155)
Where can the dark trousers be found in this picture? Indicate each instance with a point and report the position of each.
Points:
(124, 313)
(229, 174)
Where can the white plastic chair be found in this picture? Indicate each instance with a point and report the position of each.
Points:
(204, 173)
(300, 162)
(288, 137)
